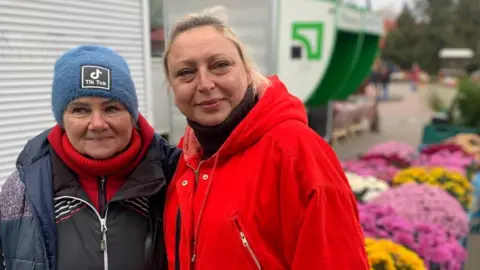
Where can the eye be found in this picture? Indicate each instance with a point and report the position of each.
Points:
(221, 65)
(111, 109)
(79, 111)
(185, 72)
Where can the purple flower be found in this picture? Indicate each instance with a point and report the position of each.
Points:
(393, 147)
(429, 241)
(427, 204)
(456, 160)
(378, 168)
(395, 153)
(444, 149)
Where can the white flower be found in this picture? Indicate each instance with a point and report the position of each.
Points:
(370, 186)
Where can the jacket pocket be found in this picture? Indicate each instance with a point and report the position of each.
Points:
(245, 242)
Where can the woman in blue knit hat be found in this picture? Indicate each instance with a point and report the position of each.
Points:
(88, 193)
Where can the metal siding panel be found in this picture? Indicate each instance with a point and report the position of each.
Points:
(33, 34)
(161, 97)
(251, 21)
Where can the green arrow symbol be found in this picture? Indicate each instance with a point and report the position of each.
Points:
(298, 34)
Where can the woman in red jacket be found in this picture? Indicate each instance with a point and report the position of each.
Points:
(255, 188)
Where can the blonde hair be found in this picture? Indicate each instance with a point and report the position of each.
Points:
(210, 17)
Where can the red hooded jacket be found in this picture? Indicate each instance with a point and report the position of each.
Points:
(273, 197)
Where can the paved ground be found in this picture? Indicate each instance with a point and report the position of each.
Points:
(400, 120)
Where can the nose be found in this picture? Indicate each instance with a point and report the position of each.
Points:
(205, 81)
(97, 122)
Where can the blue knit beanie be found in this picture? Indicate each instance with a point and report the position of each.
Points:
(92, 71)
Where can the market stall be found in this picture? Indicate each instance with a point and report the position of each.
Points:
(357, 114)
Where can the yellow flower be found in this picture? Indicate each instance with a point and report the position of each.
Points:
(413, 174)
(391, 256)
(453, 182)
(454, 187)
(436, 172)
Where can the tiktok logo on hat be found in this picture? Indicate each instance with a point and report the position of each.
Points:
(96, 77)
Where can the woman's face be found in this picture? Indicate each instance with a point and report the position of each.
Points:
(97, 127)
(207, 75)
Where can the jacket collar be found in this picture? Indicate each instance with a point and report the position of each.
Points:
(146, 180)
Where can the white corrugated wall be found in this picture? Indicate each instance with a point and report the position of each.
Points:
(34, 33)
(161, 97)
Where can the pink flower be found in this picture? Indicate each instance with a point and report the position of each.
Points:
(378, 168)
(447, 156)
(395, 153)
(427, 204)
(429, 241)
(453, 160)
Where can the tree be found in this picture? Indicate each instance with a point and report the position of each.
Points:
(400, 42)
(156, 14)
(437, 31)
(430, 26)
(466, 25)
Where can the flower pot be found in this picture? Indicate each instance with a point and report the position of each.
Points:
(438, 132)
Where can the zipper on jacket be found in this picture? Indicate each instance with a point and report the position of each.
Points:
(102, 195)
(103, 227)
(102, 205)
(245, 243)
(197, 173)
(197, 177)
(103, 242)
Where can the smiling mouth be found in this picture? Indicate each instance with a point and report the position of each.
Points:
(209, 103)
(100, 139)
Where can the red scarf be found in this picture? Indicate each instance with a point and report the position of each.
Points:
(115, 169)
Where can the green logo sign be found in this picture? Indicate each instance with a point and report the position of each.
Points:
(313, 47)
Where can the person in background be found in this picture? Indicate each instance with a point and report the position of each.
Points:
(89, 192)
(385, 76)
(255, 187)
(414, 77)
(374, 78)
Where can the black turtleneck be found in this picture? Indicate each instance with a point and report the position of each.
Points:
(211, 138)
